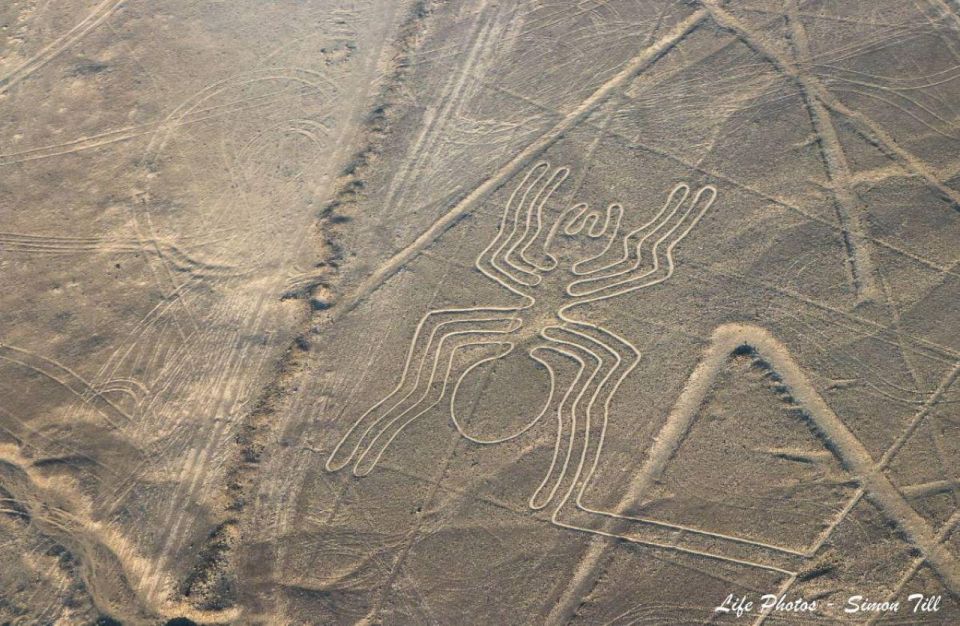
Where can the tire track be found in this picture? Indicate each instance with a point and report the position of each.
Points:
(99, 14)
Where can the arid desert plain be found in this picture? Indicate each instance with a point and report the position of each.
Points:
(457, 312)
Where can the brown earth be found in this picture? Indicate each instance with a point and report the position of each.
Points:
(433, 312)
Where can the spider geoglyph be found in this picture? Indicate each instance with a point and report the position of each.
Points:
(583, 256)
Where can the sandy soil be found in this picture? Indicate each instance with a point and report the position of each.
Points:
(432, 312)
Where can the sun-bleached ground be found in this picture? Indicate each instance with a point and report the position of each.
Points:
(477, 312)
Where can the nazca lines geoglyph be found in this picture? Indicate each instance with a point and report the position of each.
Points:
(442, 333)
(524, 257)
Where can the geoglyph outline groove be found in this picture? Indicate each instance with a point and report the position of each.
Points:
(506, 260)
(603, 360)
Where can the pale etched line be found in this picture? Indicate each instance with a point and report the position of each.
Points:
(360, 461)
(142, 130)
(526, 238)
(309, 78)
(670, 435)
(525, 208)
(918, 418)
(590, 564)
(533, 422)
(416, 384)
(164, 132)
(932, 488)
(608, 115)
(534, 502)
(112, 363)
(100, 13)
(851, 451)
(927, 348)
(590, 220)
(943, 535)
(494, 182)
(633, 250)
(825, 17)
(503, 251)
(39, 244)
(573, 413)
(80, 525)
(653, 275)
(218, 404)
(174, 119)
(436, 121)
(227, 384)
(784, 588)
(573, 221)
(398, 562)
(867, 126)
(848, 206)
(874, 483)
(948, 380)
(634, 142)
(635, 358)
(37, 434)
(587, 479)
(876, 134)
(515, 212)
(915, 376)
(897, 327)
(80, 387)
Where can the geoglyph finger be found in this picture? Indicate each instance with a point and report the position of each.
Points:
(534, 222)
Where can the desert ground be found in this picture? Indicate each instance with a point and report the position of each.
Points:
(479, 312)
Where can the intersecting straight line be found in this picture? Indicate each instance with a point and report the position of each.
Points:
(866, 126)
(635, 143)
(848, 206)
(491, 184)
(874, 484)
(919, 345)
(412, 250)
(593, 562)
(635, 65)
(414, 534)
(667, 556)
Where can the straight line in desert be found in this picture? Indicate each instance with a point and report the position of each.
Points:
(854, 456)
(633, 142)
(436, 117)
(637, 64)
(849, 208)
(866, 126)
(816, 94)
(942, 536)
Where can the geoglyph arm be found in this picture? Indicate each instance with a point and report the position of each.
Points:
(505, 259)
(436, 331)
(646, 258)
